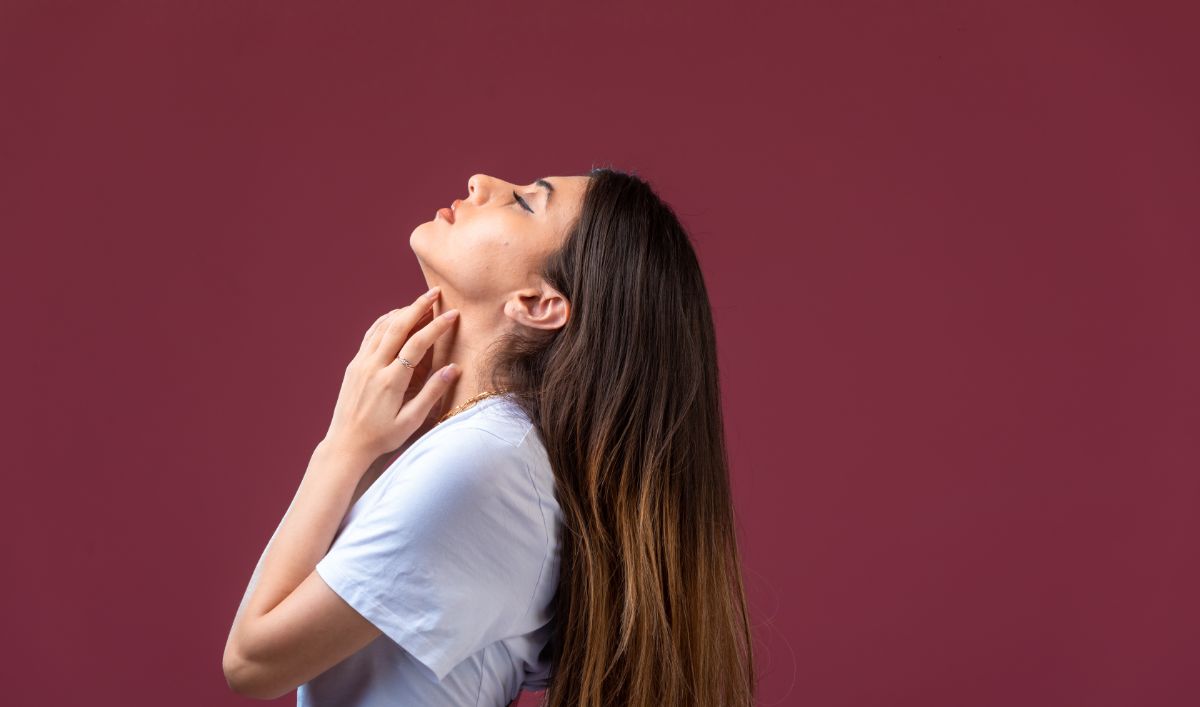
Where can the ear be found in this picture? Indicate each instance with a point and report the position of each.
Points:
(540, 308)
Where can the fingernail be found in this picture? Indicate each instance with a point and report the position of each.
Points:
(450, 371)
(433, 291)
(450, 313)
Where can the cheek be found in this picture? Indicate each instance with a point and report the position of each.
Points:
(504, 244)
(500, 237)
(483, 231)
(480, 248)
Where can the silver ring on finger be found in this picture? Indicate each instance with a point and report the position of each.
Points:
(404, 361)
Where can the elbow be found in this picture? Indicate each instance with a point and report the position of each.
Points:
(237, 674)
(247, 679)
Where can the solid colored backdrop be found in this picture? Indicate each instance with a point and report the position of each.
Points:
(951, 249)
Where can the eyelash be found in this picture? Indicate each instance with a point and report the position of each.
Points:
(522, 202)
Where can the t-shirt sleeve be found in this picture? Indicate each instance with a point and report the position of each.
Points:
(446, 558)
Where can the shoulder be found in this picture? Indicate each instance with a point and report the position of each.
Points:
(496, 425)
(496, 441)
(503, 419)
(488, 457)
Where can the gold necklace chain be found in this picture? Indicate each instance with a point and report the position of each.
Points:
(468, 403)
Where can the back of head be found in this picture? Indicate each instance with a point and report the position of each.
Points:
(650, 608)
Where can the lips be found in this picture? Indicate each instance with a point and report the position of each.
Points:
(448, 213)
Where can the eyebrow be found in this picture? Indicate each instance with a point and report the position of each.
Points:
(549, 189)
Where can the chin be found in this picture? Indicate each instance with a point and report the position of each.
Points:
(416, 239)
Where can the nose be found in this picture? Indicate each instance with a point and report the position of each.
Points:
(477, 183)
(480, 187)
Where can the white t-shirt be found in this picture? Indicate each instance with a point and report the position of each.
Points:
(453, 553)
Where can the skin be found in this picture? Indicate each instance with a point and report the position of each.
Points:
(290, 626)
(487, 263)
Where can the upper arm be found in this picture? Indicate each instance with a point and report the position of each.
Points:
(310, 631)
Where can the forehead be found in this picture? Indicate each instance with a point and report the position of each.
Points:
(567, 194)
(572, 185)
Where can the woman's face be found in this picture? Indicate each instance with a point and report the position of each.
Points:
(493, 250)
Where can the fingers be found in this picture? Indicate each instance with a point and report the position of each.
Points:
(422, 403)
(396, 325)
(418, 344)
(369, 337)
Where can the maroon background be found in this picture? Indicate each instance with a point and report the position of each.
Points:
(952, 254)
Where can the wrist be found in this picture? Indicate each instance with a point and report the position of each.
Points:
(333, 453)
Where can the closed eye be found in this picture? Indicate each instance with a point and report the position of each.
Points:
(522, 202)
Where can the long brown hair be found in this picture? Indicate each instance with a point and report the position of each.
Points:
(650, 609)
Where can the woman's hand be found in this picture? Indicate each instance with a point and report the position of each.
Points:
(381, 403)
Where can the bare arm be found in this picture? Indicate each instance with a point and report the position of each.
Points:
(285, 596)
(372, 474)
(258, 570)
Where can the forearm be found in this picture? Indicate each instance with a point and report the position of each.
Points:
(258, 569)
(368, 479)
(303, 536)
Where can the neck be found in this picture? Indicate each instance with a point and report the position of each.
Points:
(465, 345)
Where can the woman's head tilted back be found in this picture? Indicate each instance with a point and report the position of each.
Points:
(489, 257)
(610, 349)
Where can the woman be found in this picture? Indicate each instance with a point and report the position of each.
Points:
(559, 513)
